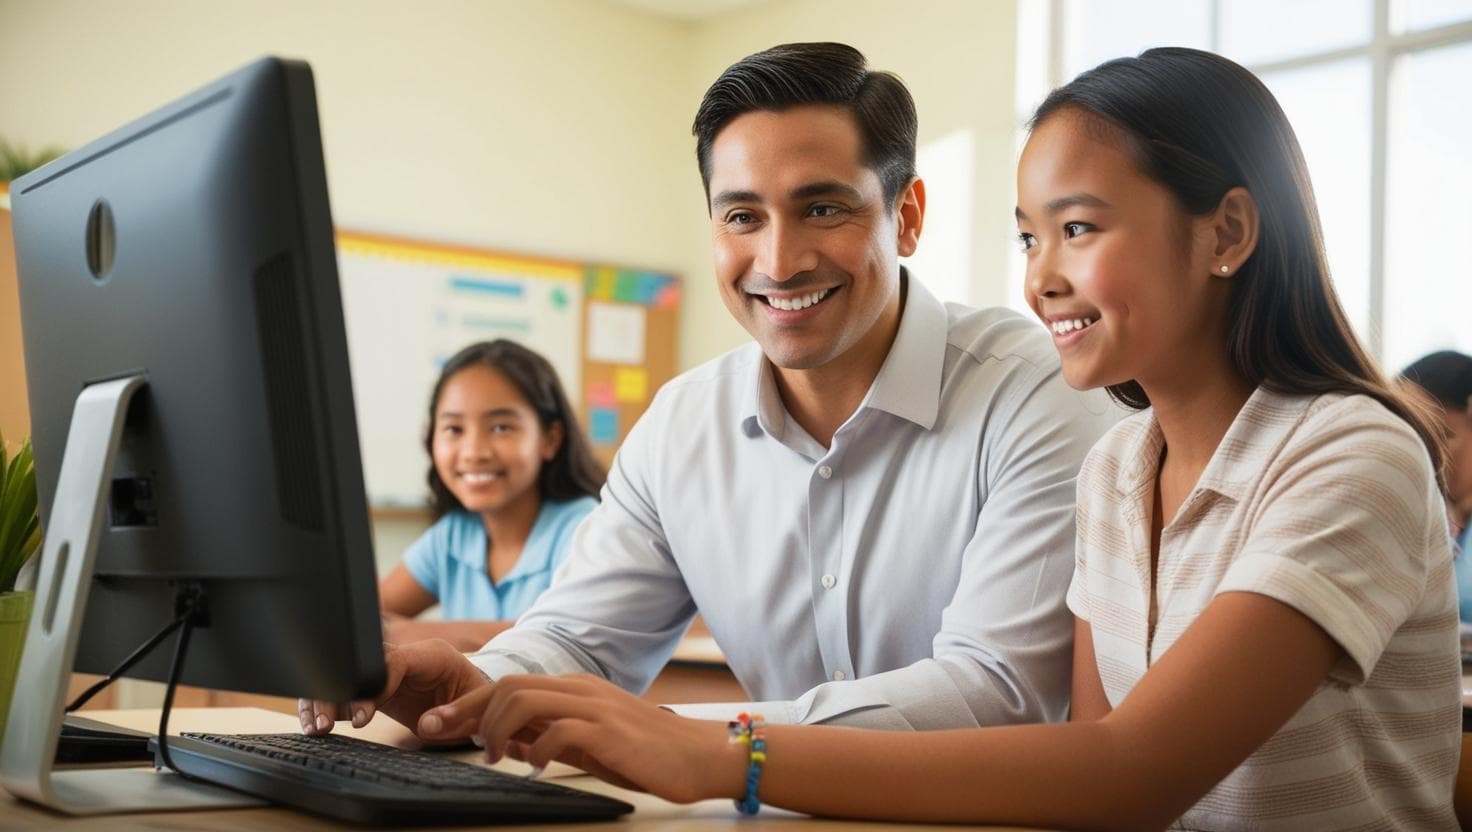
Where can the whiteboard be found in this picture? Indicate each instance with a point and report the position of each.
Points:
(408, 307)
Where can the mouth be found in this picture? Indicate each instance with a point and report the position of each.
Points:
(479, 477)
(795, 303)
(1068, 326)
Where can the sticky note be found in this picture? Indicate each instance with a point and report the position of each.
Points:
(603, 425)
(630, 384)
(600, 394)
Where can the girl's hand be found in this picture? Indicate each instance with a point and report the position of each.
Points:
(598, 727)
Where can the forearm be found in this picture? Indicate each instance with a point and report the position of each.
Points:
(1012, 775)
(467, 636)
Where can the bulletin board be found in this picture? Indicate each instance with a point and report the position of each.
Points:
(409, 305)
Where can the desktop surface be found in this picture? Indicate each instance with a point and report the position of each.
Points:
(651, 814)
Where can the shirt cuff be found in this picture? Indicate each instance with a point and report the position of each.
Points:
(775, 712)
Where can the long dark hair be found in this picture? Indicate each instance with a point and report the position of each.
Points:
(1201, 125)
(573, 471)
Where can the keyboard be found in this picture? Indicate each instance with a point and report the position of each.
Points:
(368, 783)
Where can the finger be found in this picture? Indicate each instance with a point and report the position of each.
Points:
(577, 743)
(458, 718)
(317, 716)
(512, 711)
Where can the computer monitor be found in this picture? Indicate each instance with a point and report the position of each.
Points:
(191, 409)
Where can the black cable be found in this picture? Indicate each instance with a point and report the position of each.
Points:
(191, 601)
(137, 656)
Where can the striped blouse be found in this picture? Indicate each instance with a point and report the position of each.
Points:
(1327, 504)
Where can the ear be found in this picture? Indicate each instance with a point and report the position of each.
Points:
(910, 209)
(1233, 228)
(552, 440)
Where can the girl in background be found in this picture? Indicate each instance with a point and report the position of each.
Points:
(511, 476)
(1265, 615)
(1446, 379)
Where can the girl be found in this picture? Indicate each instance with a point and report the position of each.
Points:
(1266, 624)
(511, 476)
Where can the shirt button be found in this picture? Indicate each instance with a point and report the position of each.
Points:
(838, 675)
(828, 581)
(824, 471)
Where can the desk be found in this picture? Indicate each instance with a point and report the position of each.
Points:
(651, 814)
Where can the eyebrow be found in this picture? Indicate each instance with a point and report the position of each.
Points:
(802, 192)
(1070, 201)
(489, 414)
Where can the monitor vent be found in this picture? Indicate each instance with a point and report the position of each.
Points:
(293, 434)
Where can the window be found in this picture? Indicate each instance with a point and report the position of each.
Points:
(1374, 91)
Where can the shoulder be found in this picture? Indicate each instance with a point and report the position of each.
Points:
(444, 536)
(565, 513)
(1346, 428)
(997, 334)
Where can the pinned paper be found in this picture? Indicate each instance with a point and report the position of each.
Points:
(616, 333)
(631, 384)
(603, 425)
(600, 394)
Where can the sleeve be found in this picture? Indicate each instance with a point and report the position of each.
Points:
(427, 557)
(1341, 534)
(1089, 487)
(573, 515)
(618, 605)
(1003, 654)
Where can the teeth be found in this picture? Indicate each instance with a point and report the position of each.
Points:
(478, 477)
(1065, 327)
(801, 302)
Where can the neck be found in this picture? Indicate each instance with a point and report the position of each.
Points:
(1195, 414)
(821, 399)
(511, 524)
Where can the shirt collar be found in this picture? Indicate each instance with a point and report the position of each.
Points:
(534, 557)
(908, 384)
(1262, 424)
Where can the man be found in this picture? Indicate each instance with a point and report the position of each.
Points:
(872, 505)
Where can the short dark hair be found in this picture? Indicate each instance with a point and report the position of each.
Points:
(1446, 375)
(573, 471)
(795, 74)
(1200, 125)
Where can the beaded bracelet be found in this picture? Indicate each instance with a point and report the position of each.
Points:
(749, 730)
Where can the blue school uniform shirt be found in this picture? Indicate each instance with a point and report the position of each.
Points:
(449, 561)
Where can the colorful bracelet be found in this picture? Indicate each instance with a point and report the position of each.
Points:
(750, 730)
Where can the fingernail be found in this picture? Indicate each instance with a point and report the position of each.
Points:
(323, 722)
(478, 740)
(432, 723)
(535, 772)
(360, 717)
(306, 721)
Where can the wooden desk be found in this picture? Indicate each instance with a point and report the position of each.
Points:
(651, 814)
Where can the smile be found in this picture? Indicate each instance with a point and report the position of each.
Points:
(1072, 325)
(479, 477)
(793, 304)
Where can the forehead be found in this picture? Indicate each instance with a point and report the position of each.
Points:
(769, 152)
(1069, 152)
(481, 384)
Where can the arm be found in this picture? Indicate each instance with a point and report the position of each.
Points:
(1234, 677)
(618, 604)
(1003, 650)
(466, 636)
(1089, 701)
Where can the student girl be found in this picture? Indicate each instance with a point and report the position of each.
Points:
(1265, 616)
(511, 477)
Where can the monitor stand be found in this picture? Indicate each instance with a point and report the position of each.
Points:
(67, 557)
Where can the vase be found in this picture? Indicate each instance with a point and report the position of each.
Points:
(15, 618)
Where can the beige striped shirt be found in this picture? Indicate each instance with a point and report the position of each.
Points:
(1327, 504)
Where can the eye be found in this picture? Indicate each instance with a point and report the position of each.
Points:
(1026, 241)
(451, 430)
(740, 218)
(822, 211)
(1074, 229)
(502, 427)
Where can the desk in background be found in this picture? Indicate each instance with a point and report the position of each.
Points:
(651, 814)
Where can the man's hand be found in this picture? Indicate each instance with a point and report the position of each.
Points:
(421, 675)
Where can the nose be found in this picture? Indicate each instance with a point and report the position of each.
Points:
(477, 445)
(787, 250)
(1044, 279)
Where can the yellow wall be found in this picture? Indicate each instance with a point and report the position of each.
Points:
(558, 127)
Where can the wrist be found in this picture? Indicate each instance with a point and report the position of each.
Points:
(729, 763)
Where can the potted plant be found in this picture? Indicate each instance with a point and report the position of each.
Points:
(20, 537)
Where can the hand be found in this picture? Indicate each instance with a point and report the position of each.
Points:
(420, 676)
(590, 723)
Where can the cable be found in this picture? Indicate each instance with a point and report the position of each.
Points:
(137, 656)
(192, 603)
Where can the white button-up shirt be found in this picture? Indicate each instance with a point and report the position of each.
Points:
(920, 563)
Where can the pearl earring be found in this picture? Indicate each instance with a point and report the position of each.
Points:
(1225, 270)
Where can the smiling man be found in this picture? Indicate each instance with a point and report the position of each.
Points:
(871, 505)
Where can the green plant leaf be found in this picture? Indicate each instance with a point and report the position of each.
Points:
(19, 522)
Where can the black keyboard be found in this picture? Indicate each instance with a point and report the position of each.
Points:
(364, 782)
